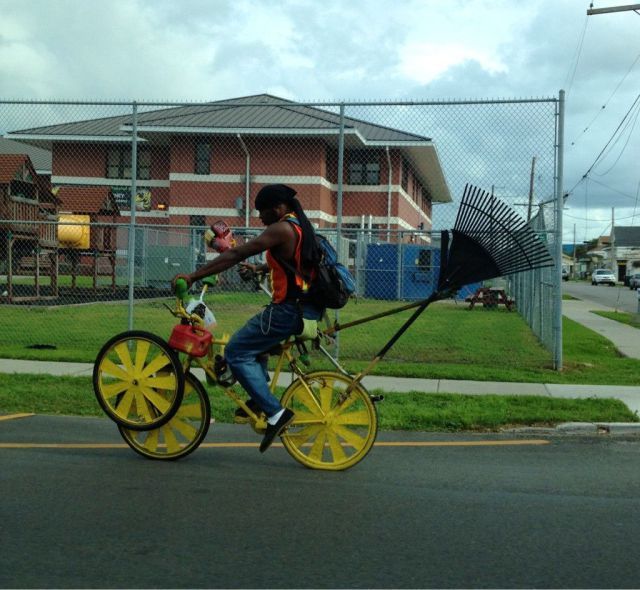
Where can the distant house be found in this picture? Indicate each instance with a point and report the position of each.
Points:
(626, 256)
(200, 163)
(40, 158)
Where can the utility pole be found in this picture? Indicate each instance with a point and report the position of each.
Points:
(592, 10)
(533, 168)
(614, 262)
(573, 270)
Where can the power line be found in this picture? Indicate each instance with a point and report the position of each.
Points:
(568, 83)
(626, 143)
(604, 106)
(612, 189)
(607, 144)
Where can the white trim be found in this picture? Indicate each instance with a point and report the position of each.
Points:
(208, 211)
(257, 179)
(299, 180)
(313, 215)
(402, 143)
(82, 138)
(157, 214)
(413, 204)
(350, 130)
(96, 181)
(241, 130)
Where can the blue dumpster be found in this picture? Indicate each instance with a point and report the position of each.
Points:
(404, 272)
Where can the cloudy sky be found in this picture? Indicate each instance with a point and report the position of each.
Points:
(198, 50)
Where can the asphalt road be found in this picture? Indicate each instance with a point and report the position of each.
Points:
(619, 297)
(431, 512)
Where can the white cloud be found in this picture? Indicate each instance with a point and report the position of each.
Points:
(195, 50)
(424, 62)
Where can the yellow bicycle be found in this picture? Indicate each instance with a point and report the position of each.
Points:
(163, 412)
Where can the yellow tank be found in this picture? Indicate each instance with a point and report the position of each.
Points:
(72, 235)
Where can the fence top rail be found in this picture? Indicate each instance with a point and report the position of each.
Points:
(244, 103)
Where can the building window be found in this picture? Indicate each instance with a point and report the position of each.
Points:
(119, 162)
(203, 158)
(404, 181)
(364, 168)
(144, 164)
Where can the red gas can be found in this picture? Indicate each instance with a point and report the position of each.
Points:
(189, 339)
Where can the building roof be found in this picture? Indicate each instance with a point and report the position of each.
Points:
(262, 114)
(41, 158)
(87, 199)
(627, 236)
(10, 164)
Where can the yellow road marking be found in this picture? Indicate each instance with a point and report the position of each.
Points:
(464, 443)
(14, 416)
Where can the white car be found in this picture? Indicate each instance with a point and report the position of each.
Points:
(603, 275)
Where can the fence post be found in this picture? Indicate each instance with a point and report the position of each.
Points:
(559, 205)
(339, 205)
(132, 219)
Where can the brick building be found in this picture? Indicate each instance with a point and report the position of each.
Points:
(200, 163)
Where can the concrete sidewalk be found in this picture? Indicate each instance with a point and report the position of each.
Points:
(628, 395)
(625, 338)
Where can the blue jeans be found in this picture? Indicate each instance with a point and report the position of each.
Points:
(244, 352)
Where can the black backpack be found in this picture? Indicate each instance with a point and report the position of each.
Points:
(333, 283)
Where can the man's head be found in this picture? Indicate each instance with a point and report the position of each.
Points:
(273, 201)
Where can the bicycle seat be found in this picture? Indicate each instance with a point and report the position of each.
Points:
(309, 330)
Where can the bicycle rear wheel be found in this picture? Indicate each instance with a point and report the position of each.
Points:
(331, 430)
(138, 380)
(182, 434)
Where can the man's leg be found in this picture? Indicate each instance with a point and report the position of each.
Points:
(261, 333)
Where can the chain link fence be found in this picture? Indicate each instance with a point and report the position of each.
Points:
(380, 180)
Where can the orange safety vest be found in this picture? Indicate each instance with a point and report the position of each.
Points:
(284, 283)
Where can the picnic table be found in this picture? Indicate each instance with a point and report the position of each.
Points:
(491, 298)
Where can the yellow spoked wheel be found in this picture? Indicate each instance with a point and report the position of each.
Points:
(138, 380)
(331, 430)
(182, 434)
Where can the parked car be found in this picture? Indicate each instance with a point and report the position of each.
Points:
(603, 275)
(634, 281)
(565, 274)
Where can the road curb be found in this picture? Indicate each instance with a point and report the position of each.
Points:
(584, 428)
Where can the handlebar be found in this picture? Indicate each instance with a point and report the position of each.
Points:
(181, 290)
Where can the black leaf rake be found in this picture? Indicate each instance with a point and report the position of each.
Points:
(488, 240)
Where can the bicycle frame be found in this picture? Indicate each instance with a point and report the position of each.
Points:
(285, 356)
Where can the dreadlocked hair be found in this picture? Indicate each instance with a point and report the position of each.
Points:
(310, 253)
(272, 194)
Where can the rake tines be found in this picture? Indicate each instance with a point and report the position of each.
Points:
(488, 240)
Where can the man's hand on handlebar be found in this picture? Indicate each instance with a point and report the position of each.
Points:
(249, 271)
(246, 270)
(186, 278)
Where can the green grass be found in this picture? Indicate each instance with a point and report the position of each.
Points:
(446, 342)
(44, 394)
(630, 319)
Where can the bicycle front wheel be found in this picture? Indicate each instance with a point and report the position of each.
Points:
(138, 380)
(331, 430)
(182, 434)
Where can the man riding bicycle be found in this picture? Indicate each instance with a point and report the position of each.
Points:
(291, 258)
